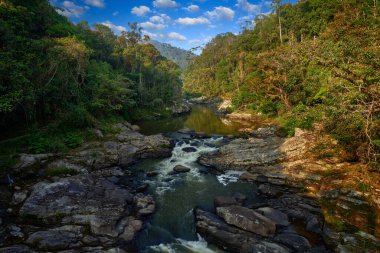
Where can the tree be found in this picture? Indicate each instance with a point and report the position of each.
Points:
(277, 7)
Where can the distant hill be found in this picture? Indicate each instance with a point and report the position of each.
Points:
(178, 55)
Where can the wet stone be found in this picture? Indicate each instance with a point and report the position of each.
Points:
(297, 242)
(278, 217)
(267, 190)
(222, 201)
(181, 169)
(189, 149)
(151, 173)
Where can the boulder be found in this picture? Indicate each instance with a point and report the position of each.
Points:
(17, 249)
(189, 149)
(181, 169)
(222, 201)
(231, 238)
(268, 190)
(19, 197)
(247, 220)
(151, 173)
(225, 105)
(239, 197)
(292, 240)
(30, 160)
(278, 217)
(61, 238)
(144, 204)
(80, 200)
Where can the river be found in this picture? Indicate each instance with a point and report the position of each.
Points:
(172, 227)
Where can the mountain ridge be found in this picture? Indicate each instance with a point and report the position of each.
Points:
(178, 55)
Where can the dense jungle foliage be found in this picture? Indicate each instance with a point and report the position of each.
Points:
(314, 61)
(54, 70)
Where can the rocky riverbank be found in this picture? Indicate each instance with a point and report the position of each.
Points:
(76, 202)
(267, 157)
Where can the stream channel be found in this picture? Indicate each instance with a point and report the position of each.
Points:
(172, 227)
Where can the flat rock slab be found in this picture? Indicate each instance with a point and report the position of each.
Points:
(65, 237)
(231, 238)
(247, 219)
(278, 217)
(17, 249)
(80, 200)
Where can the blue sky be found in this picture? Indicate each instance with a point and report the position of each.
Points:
(182, 23)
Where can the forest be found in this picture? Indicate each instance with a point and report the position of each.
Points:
(267, 141)
(312, 62)
(67, 77)
(53, 69)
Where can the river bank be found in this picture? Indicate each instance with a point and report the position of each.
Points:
(155, 193)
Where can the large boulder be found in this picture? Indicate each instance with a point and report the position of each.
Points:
(278, 217)
(231, 238)
(61, 238)
(82, 200)
(17, 249)
(247, 220)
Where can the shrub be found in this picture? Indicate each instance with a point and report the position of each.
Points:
(268, 107)
(72, 140)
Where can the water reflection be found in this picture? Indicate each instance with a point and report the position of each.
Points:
(201, 119)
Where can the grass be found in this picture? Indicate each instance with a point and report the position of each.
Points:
(60, 171)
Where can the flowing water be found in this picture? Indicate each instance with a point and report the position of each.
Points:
(172, 227)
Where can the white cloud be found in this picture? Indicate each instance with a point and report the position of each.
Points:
(195, 41)
(192, 8)
(193, 21)
(96, 3)
(247, 6)
(114, 28)
(151, 26)
(221, 12)
(176, 36)
(140, 11)
(154, 36)
(70, 9)
(165, 3)
(115, 13)
(162, 18)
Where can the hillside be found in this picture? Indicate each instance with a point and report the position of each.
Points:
(311, 62)
(177, 55)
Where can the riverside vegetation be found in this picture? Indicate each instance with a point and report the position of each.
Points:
(289, 162)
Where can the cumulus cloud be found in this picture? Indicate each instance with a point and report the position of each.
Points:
(96, 3)
(165, 3)
(248, 7)
(162, 18)
(221, 12)
(70, 9)
(192, 8)
(151, 26)
(192, 21)
(176, 36)
(154, 36)
(114, 28)
(140, 11)
(115, 13)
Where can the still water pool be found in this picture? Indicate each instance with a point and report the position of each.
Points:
(201, 119)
